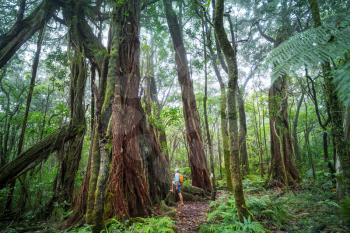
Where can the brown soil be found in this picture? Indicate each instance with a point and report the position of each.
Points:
(190, 216)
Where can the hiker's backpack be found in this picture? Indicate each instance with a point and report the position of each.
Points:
(181, 179)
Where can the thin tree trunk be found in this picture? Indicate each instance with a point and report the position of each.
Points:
(258, 138)
(205, 107)
(219, 153)
(22, 200)
(307, 143)
(231, 61)
(295, 128)
(223, 115)
(243, 133)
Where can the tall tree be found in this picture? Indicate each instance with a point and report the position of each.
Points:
(223, 110)
(198, 163)
(283, 171)
(205, 106)
(230, 54)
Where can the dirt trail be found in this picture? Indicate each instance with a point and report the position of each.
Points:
(190, 216)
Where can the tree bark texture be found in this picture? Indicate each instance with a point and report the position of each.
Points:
(137, 165)
(198, 163)
(283, 171)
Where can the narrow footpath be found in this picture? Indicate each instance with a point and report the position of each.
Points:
(190, 216)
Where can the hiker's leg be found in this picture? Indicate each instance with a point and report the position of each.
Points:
(181, 199)
(180, 194)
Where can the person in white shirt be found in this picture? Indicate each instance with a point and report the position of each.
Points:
(176, 182)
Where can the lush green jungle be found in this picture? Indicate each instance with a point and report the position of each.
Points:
(161, 116)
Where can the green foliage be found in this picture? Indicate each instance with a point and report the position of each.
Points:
(265, 209)
(83, 229)
(314, 46)
(171, 116)
(137, 225)
(223, 218)
(150, 225)
(345, 210)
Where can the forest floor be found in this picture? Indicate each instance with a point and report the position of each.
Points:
(190, 216)
(312, 208)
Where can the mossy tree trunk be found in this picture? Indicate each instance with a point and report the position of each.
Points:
(230, 54)
(223, 110)
(70, 159)
(243, 152)
(283, 171)
(205, 107)
(137, 167)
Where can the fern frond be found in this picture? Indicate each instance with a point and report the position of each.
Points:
(314, 47)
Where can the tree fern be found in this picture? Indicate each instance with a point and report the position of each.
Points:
(313, 47)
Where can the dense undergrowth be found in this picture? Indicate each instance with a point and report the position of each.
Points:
(311, 208)
(139, 225)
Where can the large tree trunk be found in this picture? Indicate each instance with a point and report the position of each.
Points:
(69, 162)
(230, 54)
(134, 147)
(198, 163)
(70, 158)
(137, 168)
(282, 170)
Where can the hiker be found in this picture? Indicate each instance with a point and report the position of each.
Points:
(177, 182)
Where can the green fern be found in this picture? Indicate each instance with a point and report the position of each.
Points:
(313, 47)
